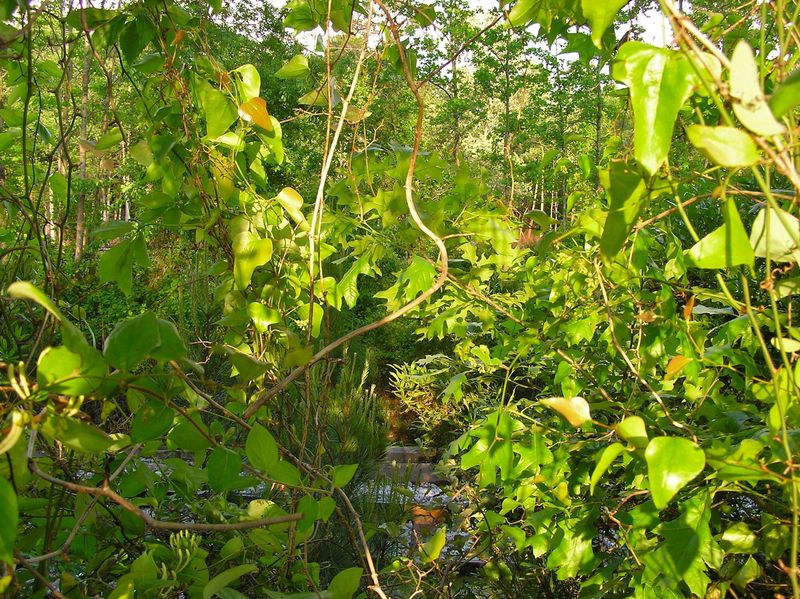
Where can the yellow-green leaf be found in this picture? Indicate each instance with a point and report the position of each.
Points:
(725, 146)
(724, 247)
(296, 68)
(671, 463)
(574, 409)
(749, 103)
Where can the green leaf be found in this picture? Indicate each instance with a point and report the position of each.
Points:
(9, 518)
(171, 346)
(425, 14)
(284, 472)
(345, 584)
(116, 265)
(626, 192)
(132, 341)
(219, 110)
(749, 571)
(725, 146)
(292, 202)
(308, 507)
(112, 230)
(776, 233)
(607, 457)
(151, 420)
(749, 104)
(262, 316)
(62, 371)
(660, 81)
(415, 279)
(248, 82)
(109, 140)
(724, 247)
(633, 430)
(786, 95)
(296, 68)
(249, 252)
(343, 474)
(671, 463)
(186, 436)
(601, 16)
(75, 434)
(574, 409)
(431, 550)
(261, 449)
(224, 467)
(220, 581)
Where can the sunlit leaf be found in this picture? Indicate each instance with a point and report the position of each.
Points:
(224, 468)
(75, 434)
(600, 16)
(749, 104)
(776, 233)
(574, 409)
(345, 584)
(249, 252)
(633, 430)
(724, 247)
(725, 146)
(607, 457)
(672, 462)
(131, 341)
(296, 68)
(431, 550)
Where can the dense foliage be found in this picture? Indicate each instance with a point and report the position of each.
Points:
(559, 257)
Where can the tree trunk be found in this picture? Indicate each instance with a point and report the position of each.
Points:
(80, 224)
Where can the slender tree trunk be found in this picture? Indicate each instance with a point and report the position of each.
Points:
(80, 224)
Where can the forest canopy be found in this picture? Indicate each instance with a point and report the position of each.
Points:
(399, 299)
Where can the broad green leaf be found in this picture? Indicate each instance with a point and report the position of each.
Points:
(431, 550)
(75, 434)
(574, 409)
(248, 83)
(308, 507)
(132, 341)
(786, 95)
(724, 247)
(738, 538)
(325, 508)
(261, 449)
(626, 191)
(300, 16)
(232, 547)
(262, 316)
(112, 230)
(296, 68)
(284, 472)
(62, 371)
(415, 279)
(607, 457)
(343, 474)
(601, 16)
(151, 420)
(246, 366)
(725, 146)
(218, 108)
(109, 140)
(73, 338)
(171, 346)
(9, 518)
(186, 436)
(345, 584)
(749, 104)
(776, 233)
(249, 252)
(493, 448)
(224, 467)
(255, 111)
(749, 571)
(633, 430)
(672, 462)
(292, 202)
(116, 265)
(425, 14)
(220, 581)
(660, 81)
